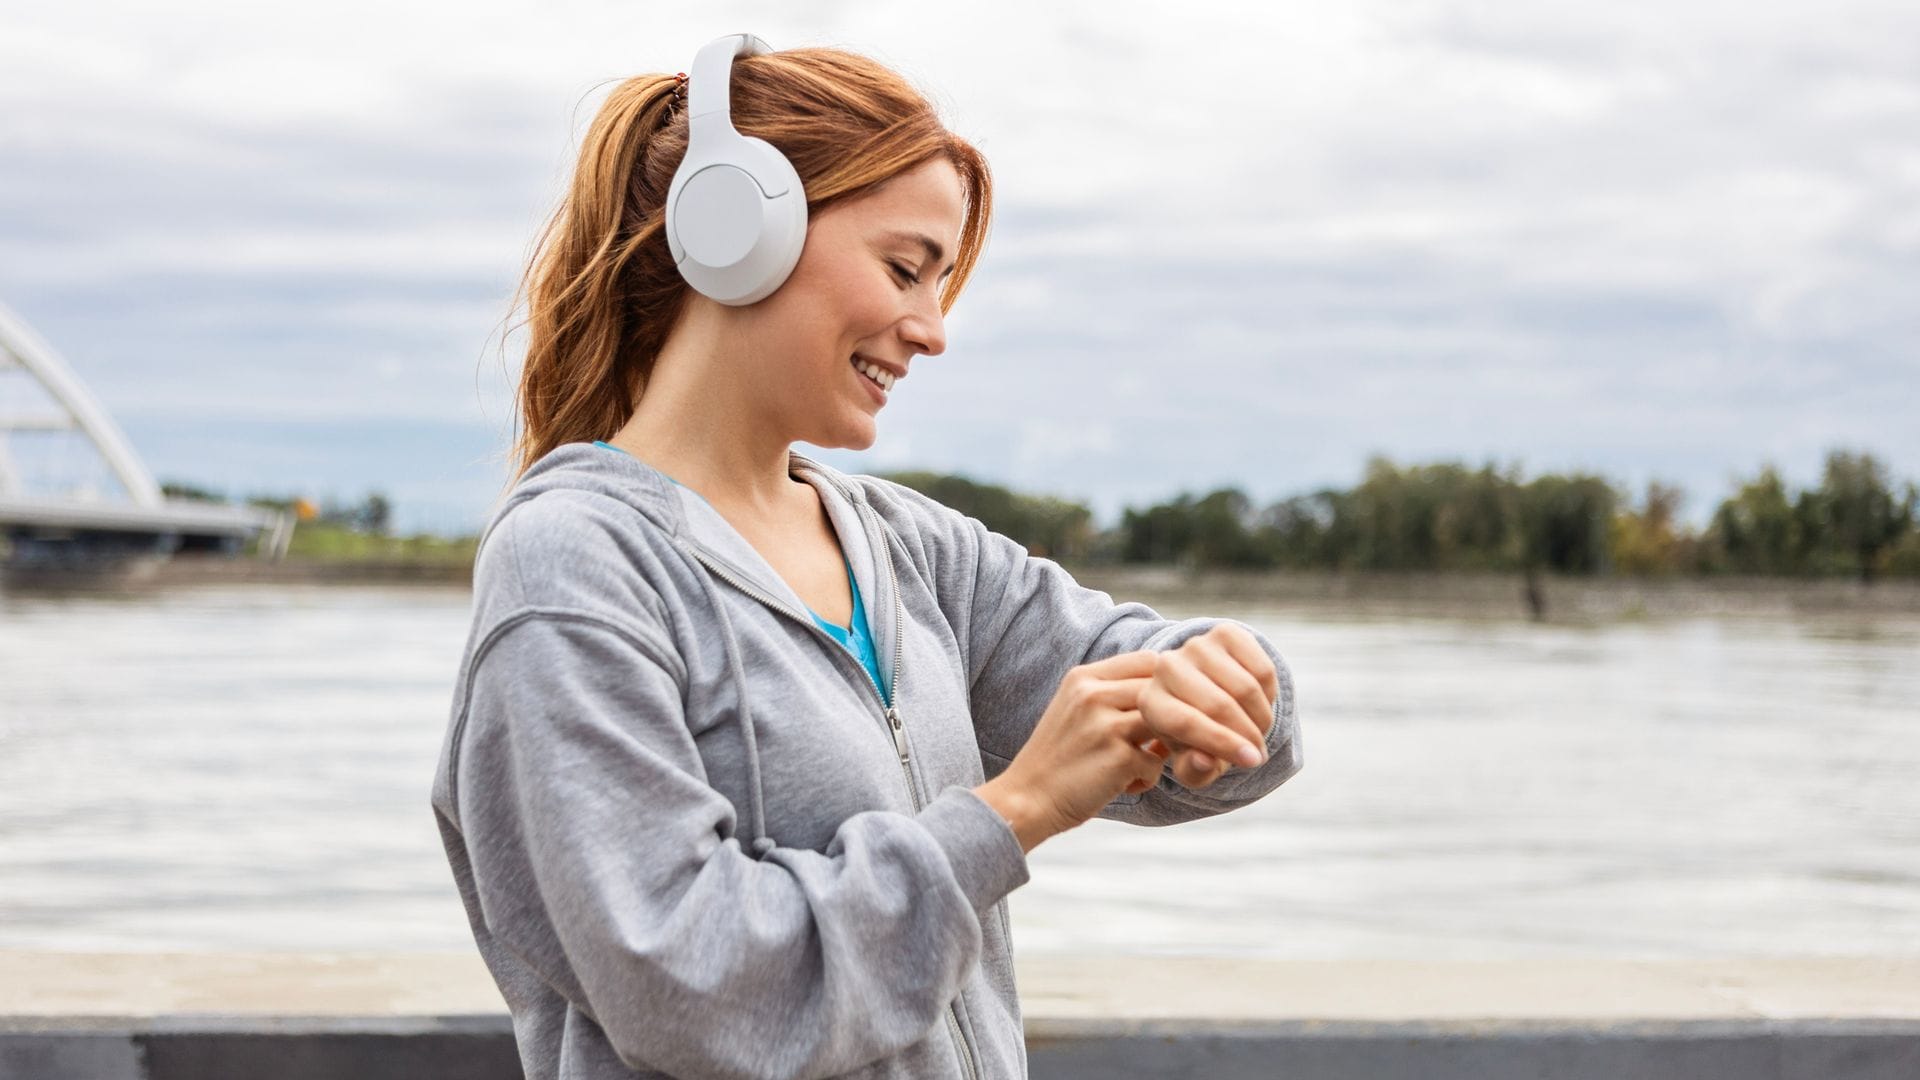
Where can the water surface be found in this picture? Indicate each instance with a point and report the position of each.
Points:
(247, 767)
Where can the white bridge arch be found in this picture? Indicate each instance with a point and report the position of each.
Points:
(69, 528)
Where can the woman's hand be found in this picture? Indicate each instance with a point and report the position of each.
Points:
(1208, 699)
(1090, 745)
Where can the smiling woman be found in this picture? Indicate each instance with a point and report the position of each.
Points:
(605, 297)
(746, 752)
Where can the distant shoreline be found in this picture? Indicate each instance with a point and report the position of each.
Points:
(1502, 595)
(1490, 595)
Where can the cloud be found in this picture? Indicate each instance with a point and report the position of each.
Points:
(1247, 244)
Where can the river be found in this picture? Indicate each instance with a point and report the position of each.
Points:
(246, 767)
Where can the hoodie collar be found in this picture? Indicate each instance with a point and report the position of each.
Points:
(707, 530)
(687, 517)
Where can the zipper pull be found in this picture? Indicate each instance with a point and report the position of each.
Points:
(899, 734)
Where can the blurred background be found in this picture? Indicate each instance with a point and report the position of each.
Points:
(1541, 379)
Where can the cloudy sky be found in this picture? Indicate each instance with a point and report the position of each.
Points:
(1236, 244)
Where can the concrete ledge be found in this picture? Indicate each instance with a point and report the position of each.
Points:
(1565, 1050)
(196, 1047)
(153, 1016)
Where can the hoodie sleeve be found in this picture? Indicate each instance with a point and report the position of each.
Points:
(1023, 621)
(603, 858)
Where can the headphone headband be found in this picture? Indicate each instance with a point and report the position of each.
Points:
(710, 89)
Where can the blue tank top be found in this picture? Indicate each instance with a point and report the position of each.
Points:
(857, 638)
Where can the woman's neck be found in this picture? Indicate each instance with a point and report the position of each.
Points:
(702, 420)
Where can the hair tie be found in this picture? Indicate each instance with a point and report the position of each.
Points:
(675, 99)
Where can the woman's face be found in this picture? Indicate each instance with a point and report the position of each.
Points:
(865, 284)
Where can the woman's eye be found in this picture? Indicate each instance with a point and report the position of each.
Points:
(904, 273)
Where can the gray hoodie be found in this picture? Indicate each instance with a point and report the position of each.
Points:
(693, 839)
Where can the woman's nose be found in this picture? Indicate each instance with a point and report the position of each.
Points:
(926, 330)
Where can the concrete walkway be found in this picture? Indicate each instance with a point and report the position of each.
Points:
(1052, 987)
(1085, 1016)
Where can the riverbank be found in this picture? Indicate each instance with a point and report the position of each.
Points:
(1501, 596)
(1561, 598)
(426, 1015)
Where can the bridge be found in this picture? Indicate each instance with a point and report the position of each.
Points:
(89, 525)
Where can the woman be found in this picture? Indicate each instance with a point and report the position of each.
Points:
(746, 752)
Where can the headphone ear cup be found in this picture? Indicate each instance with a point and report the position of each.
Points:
(736, 232)
(717, 217)
(736, 210)
(783, 231)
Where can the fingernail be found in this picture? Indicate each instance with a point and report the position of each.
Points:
(1250, 756)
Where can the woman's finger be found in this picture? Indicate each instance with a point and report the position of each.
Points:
(1230, 658)
(1240, 643)
(1199, 768)
(1119, 693)
(1220, 729)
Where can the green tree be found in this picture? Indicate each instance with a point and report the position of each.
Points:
(1441, 516)
(1853, 515)
(175, 490)
(1044, 525)
(1158, 534)
(1756, 531)
(1566, 523)
(1902, 557)
(375, 514)
(1475, 527)
(1224, 532)
(1309, 532)
(1056, 528)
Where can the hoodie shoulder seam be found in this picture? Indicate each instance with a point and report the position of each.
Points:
(669, 522)
(657, 645)
(665, 655)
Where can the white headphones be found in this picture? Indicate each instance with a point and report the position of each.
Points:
(736, 210)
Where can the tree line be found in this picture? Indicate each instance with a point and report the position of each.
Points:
(1442, 517)
(1449, 517)
(372, 515)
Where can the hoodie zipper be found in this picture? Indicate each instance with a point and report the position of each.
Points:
(894, 725)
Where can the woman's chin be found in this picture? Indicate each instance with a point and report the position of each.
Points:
(866, 440)
(861, 433)
(858, 435)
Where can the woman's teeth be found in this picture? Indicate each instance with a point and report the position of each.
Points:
(877, 374)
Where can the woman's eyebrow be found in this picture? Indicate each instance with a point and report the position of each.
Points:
(934, 250)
